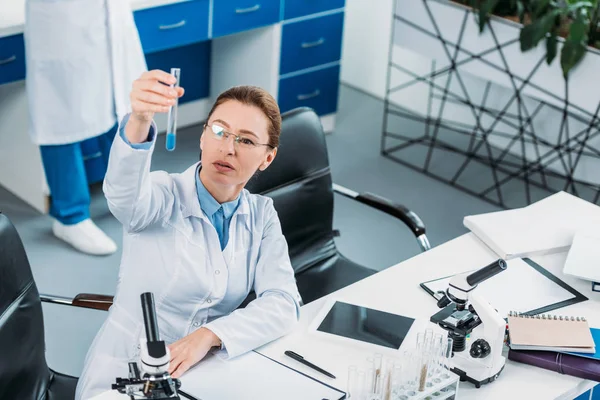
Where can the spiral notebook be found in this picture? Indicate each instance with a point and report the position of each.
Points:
(550, 333)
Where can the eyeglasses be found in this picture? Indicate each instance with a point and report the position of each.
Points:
(219, 133)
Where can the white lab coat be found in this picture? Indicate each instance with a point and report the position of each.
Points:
(82, 57)
(170, 248)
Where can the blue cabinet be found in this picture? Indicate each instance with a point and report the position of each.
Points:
(311, 42)
(234, 16)
(173, 25)
(300, 8)
(12, 59)
(179, 35)
(194, 61)
(317, 89)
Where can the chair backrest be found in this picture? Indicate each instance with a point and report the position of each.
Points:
(24, 373)
(299, 182)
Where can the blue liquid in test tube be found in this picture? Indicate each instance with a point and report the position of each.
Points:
(172, 118)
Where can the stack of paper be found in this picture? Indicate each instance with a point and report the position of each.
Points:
(583, 260)
(547, 226)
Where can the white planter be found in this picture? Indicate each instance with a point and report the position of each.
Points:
(414, 50)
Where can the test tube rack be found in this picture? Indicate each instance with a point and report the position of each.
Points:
(445, 389)
(440, 385)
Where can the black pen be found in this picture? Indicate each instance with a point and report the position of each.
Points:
(301, 359)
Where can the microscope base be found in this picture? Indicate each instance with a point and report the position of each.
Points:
(465, 378)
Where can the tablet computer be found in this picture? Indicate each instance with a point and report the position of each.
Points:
(361, 324)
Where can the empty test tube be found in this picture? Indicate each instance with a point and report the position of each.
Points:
(172, 118)
(352, 378)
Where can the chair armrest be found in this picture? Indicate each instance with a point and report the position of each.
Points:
(410, 218)
(85, 300)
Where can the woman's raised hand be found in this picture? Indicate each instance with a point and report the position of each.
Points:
(151, 93)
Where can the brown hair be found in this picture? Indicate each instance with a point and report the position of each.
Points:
(257, 97)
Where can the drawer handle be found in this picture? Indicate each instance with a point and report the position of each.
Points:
(8, 60)
(247, 10)
(316, 43)
(302, 97)
(172, 26)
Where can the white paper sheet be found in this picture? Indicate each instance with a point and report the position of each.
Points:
(251, 376)
(544, 227)
(519, 288)
(584, 256)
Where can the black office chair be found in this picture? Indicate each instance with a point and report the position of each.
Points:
(24, 374)
(299, 181)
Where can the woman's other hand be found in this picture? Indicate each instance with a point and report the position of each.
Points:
(185, 353)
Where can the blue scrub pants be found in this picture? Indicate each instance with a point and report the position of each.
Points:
(70, 169)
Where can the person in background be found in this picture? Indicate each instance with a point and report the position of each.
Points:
(82, 57)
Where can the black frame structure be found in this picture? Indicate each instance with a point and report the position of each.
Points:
(506, 170)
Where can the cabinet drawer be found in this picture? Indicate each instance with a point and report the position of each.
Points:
(194, 61)
(318, 90)
(12, 59)
(233, 16)
(311, 42)
(299, 8)
(173, 25)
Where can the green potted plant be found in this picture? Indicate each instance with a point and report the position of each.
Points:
(578, 21)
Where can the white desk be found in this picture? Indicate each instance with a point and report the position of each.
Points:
(397, 290)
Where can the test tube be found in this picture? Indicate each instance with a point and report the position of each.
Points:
(397, 376)
(172, 118)
(352, 377)
(420, 339)
(370, 382)
(428, 334)
(438, 350)
(361, 390)
(447, 356)
(386, 389)
(377, 358)
(412, 373)
(423, 357)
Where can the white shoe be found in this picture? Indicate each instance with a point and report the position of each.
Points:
(86, 237)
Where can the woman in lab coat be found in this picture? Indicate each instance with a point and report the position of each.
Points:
(82, 57)
(197, 239)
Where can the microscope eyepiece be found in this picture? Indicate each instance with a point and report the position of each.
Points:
(150, 321)
(486, 272)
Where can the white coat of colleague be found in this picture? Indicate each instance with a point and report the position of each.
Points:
(82, 57)
(198, 240)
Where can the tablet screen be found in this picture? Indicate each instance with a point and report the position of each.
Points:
(367, 325)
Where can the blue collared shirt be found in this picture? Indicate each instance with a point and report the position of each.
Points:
(219, 215)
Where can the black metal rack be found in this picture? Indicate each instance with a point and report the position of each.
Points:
(470, 147)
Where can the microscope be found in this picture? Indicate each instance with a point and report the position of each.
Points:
(467, 314)
(155, 382)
